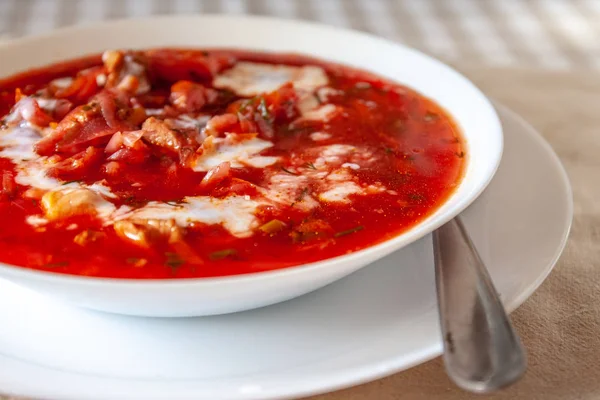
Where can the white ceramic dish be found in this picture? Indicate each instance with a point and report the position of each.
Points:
(470, 108)
(381, 320)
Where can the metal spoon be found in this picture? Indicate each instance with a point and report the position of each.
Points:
(482, 352)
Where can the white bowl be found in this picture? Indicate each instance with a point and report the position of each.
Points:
(205, 296)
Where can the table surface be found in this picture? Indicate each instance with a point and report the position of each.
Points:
(539, 61)
(551, 34)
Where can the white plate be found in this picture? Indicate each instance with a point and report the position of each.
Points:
(378, 321)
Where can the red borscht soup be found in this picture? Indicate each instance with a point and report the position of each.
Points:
(174, 163)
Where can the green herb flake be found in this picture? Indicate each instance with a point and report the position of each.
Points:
(174, 260)
(221, 254)
(56, 264)
(349, 231)
(133, 202)
(302, 194)
(389, 150)
(416, 197)
(300, 197)
(288, 171)
(264, 111)
(310, 165)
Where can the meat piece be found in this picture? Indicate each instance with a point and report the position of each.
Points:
(146, 232)
(68, 129)
(77, 165)
(28, 109)
(130, 155)
(133, 233)
(219, 124)
(158, 133)
(189, 97)
(93, 123)
(129, 139)
(69, 203)
(215, 175)
(112, 168)
(114, 144)
(193, 65)
(126, 71)
(9, 186)
(85, 85)
(34, 193)
(236, 186)
(88, 236)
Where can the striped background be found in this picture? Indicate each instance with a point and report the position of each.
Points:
(551, 34)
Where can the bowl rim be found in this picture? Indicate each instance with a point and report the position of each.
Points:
(385, 247)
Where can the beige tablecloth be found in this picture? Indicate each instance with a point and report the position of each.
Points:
(560, 323)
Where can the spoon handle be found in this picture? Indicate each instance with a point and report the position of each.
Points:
(482, 352)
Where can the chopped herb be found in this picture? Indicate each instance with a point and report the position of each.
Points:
(57, 264)
(264, 111)
(389, 150)
(416, 197)
(288, 171)
(73, 181)
(221, 254)
(349, 231)
(174, 260)
(460, 155)
(303, 193)
(272, 226)
(133, 202)
(310, 165)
